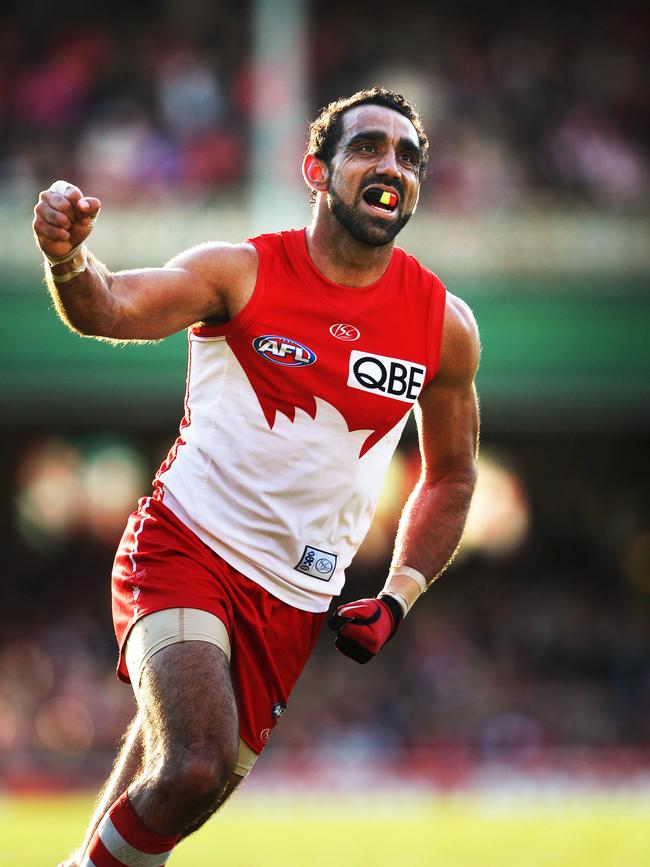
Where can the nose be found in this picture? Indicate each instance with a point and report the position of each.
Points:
(387, 164)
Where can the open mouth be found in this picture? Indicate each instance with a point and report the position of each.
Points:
(383, 200)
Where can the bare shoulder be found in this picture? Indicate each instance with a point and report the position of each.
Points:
(219, 260)
(461, 345)
(229, 270)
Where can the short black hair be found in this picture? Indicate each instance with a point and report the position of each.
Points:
(325, 131)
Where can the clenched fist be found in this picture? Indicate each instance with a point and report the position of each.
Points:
(363, 627)
(63, 219)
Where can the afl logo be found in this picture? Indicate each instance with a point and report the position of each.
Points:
(283, 350)
(345, 332)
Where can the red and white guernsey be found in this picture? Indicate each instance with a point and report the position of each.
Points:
(292, 413)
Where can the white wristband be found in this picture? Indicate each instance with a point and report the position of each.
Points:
(62, 260)
(401, 600)
(416, 576)
(77, 257)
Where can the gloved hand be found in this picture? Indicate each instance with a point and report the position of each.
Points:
(363, 627)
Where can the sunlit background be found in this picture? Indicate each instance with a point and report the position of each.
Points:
(530, 659)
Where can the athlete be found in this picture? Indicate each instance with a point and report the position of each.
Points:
(307, 351)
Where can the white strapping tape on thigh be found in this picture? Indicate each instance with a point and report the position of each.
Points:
(172, 625)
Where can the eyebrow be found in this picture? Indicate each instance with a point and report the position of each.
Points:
(379, 135)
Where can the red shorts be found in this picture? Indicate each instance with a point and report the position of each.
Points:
(161, 564)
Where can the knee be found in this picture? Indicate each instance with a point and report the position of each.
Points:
(197, 774)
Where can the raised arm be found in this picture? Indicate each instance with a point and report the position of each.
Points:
(210, 282)
(434, 517)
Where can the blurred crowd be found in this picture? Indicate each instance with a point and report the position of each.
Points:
(528, 648)
(525, 105)
(537, 639)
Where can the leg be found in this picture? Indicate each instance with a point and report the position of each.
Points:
(188, 731)
(127, 764)
(190, 737)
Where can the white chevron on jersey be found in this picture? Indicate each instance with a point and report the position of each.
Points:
(258, 496)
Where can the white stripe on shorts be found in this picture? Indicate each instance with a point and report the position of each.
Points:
(134, 550)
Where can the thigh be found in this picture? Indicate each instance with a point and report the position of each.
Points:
(154, 632)
(159, 565)
(187, 702)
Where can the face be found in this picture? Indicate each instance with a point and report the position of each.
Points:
(378, 153)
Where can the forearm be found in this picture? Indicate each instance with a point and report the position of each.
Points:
(430, 530)
(83, 299)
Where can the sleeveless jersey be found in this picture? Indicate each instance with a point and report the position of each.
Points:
(292, 413)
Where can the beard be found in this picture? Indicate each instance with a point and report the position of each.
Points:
(373, 231)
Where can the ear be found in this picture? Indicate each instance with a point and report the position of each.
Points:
(315, 173)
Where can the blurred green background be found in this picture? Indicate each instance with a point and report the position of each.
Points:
(528, 664)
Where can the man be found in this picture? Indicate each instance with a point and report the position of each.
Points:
(307, 350)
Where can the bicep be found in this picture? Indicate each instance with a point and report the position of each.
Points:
(205, 282)
(448, 427)
(153, 303)
(447, 411)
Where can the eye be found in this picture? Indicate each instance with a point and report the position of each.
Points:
(410, 159)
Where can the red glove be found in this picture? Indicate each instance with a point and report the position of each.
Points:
(363, 627)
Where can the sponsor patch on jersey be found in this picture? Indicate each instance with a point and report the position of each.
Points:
(283, 350)
(342, 331)
(317, 563)
(383, 375)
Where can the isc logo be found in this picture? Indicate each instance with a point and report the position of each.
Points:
(380, 374)
(283, 350)
(344, 332)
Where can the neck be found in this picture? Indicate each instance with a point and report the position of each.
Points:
(339, 256)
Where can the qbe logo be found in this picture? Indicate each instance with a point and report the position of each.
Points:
(283, 350)
(391, 377)
(317, 563)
